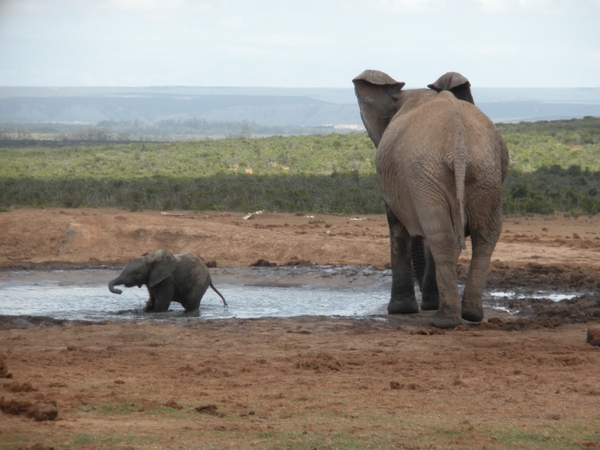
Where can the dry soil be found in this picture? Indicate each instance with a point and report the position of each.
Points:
(516, 381)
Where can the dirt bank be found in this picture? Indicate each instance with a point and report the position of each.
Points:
(309, 382)
(536, 250)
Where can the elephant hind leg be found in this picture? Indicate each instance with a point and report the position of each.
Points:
(445, 253)
(403, 300)
(419, 259)
(424, 272)
(431, 296)
(483, 245)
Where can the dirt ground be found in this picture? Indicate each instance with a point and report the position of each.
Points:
(527, 380)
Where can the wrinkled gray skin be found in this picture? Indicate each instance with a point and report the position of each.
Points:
(440, 165)
(181, 278)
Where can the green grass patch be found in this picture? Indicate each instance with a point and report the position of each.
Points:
(325, 429)
(164, 411)
(406, 431)
(118, 409)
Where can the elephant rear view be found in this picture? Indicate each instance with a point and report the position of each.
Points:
(440, 166)
(181, 278)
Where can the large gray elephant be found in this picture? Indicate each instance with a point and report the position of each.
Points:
(181, 278)
(440, 165)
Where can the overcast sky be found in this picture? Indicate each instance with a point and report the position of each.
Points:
(298, 43)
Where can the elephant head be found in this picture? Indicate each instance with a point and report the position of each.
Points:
(149, 269)
(380, 97)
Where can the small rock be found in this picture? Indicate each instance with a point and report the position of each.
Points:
(396, 385)
(593, 336)
(209, 409)
(46, 410)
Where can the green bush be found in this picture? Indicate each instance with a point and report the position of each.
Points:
(554, 167)
(345, 193)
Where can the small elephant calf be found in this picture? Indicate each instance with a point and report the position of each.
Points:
(181, 278)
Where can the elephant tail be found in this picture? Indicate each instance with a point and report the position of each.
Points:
(460, 173)
(218, 293)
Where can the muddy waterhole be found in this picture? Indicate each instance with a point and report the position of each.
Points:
(345, 291)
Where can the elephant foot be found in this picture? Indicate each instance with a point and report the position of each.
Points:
(409, 306)
(430, 303)
(441, 319)
(472, 313)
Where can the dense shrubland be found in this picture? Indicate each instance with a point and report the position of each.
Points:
(555, 166)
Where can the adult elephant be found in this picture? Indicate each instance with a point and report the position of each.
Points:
(440, 165)
(181, 278)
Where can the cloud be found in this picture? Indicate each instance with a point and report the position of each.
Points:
(410, 6)
(533, 6)
(146, 6)
(288, 42)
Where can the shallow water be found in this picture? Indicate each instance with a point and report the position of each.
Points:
(250, 292)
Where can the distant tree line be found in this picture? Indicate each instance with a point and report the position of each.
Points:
(163, 130)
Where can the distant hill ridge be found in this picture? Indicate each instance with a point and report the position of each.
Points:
(268, 106)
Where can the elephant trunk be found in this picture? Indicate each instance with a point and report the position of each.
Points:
(111, 287)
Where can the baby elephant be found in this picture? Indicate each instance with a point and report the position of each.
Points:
(181, 278)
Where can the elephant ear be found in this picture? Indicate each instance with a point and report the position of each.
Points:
(455, 83)
(162, 265)
(377, 98)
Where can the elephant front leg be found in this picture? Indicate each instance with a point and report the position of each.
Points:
(150, 303)
(403, 299)
(161, 296)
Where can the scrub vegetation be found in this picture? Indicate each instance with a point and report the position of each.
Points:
(555, 166)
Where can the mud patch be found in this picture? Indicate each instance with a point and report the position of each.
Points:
(36, 447)
(209, 409)
(28, 322)
(19, 387)
(319, 362)
(549, 314)
(4, 373)
(40, 411)
(173, 405)
(557, 277)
